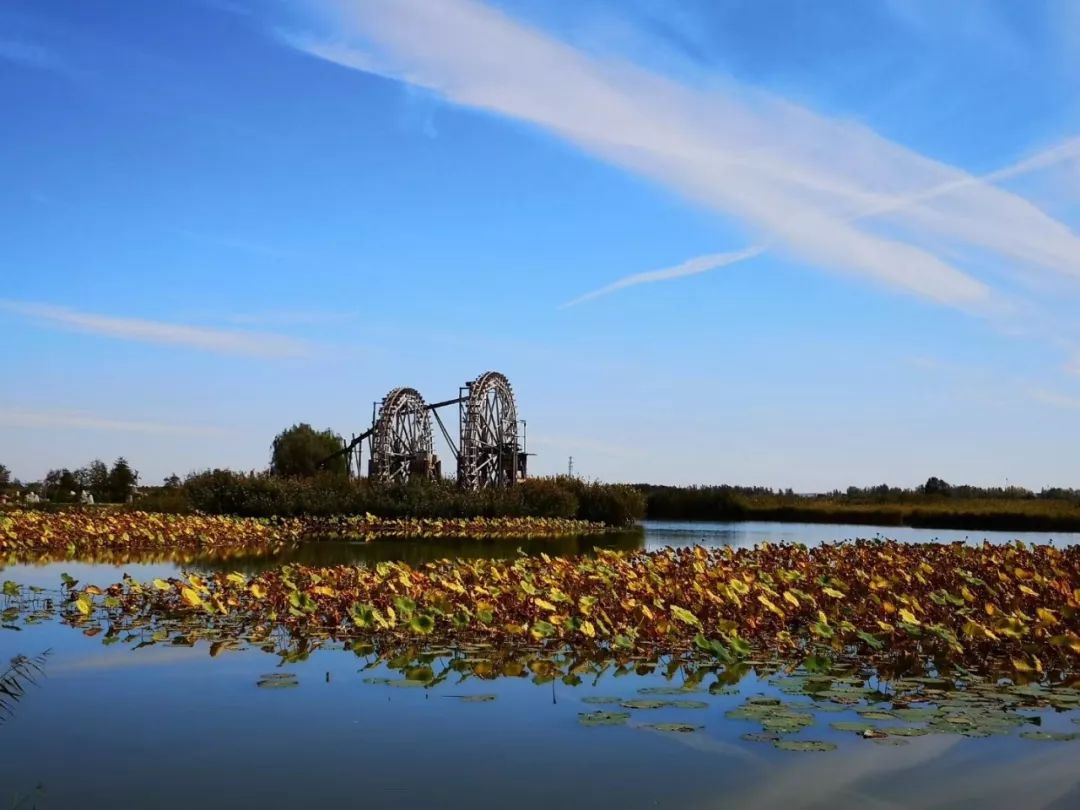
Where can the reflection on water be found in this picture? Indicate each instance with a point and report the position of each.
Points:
(154, 727)
(750, 533)
(418, 552)
(650, 535)
(115, 721)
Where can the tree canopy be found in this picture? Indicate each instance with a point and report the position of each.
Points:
(122, 480)
(300, 451)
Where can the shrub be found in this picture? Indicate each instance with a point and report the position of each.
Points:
(264, 495)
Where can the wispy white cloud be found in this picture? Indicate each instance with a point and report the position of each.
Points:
(70, 420)
(1067, 151)
(222, 341)
(691, 267)
(829, 191)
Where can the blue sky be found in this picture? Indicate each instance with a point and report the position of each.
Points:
(765, 242)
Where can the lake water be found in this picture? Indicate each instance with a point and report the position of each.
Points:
(168, 726)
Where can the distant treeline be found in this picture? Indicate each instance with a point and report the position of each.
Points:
(936, 504)
(267, 495)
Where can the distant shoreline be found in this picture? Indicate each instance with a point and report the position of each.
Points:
(1005, 523)
(1040, 514)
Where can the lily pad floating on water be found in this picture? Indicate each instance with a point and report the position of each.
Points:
(907, 731)
(663, 704)
(915, 715)
(850, 725)
(674, 728)
(667, 690)
(876, 715)
(718, 688)
(600, 718)
(1049, 736)
(277, 680)
(759, 736)
(601, 700)
(803, 745)
(399, 683)
(477, 698)
(784, 723)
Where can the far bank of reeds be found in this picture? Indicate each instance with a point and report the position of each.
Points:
(950, 508)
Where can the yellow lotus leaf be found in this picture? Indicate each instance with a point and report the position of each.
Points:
(257, 590)
(191, 597)
(772, 607)
(835, 594)
(162, 585)
(907, 616)
(93, 589)
(685, 616)
(323, 590)
(1028, 591)
(1046, 616)
(198, 583)
(791, 599)
(236, 579)
(84, 605)
(588, 629)
(888, 607)
(1020, 665)
(976, 630)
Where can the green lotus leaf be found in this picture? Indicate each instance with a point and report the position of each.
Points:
(873, 714)
(667, 690)
(803, 745)
(600, 718)
(759, 736)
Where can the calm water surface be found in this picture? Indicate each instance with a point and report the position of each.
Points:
(168, 726)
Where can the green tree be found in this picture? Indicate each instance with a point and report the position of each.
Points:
(301, 451)
(60, 485)
(172, 482)
(94, 477)
(5, 476)
(935, 486)
(122, 481)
